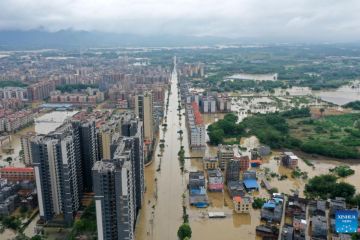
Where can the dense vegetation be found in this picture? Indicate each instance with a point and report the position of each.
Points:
(250, 85)
(271, 129)
(354, 105)
(86, 226)
(342, 171)
(332, 136)
(75, 87)
(10, 222)
(326, 186)
(12, 84)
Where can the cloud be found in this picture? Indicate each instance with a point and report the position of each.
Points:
(326, 20)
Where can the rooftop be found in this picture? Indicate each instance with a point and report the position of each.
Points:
(251, 183)
(51, 121)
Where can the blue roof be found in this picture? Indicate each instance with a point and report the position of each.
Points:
(201, 204)
(251, 184)
(269, 205)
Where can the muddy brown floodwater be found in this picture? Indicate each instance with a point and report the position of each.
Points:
(162, 212)
(161, 215)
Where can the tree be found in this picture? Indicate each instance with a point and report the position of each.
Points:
(342, 170)
(344, 190)
(11, 222)
(258, 203)
(322, 110)
(325, 186)
(216, 136)
(184, 231)
(36, 237)
(9, 160)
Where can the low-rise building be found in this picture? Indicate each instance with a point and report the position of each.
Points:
(242, 204)
(197, 189)
(236, 188)
(272, 210)
(90, 96)
(250, 180)
(319, 227)
(14, 93)
(210, 163)
(16, 174)
(16, 120)
(215, 180)
(290, 160)
(317, 208)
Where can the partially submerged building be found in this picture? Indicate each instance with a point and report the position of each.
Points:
(210, 163)
(197, 189)
(250, 180)
(272, 210)
(290, 160)
(215, 180)
(195, 125)
(242, 204)
(236, 188)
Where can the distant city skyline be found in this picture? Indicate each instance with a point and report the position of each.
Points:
(273, 20)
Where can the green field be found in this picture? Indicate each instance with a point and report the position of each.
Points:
(332, 136)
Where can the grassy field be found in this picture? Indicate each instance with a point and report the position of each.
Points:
(336, 136)
(339, 130)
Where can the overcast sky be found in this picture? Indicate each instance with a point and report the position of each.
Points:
(324, 20)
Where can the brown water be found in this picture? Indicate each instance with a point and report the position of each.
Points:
(162, 212)
(16, 145)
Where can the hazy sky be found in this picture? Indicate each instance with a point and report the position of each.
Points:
(326, 20)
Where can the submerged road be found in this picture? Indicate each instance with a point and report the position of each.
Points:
(161, 215)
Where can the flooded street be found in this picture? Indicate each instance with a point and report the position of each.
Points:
(162, 212)
(16, 146)
(161, 215)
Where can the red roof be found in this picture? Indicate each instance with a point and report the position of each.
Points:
(237, 199)
(197, 114)
(17, 169)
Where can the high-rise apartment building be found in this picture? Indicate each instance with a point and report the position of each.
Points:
(89, 150)
(63, 160)
(144, 110)
(57, 165)
(132, 128)
(114, 196)
(26, 147)
(119, 182)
